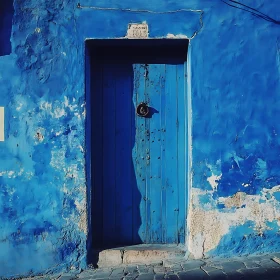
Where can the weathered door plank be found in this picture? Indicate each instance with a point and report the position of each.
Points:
(171, 154)
(140, 146)
(156, 90)
(182, 151)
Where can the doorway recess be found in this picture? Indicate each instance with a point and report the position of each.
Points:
(136, 163)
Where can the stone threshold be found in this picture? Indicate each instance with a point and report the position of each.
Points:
(140, 254)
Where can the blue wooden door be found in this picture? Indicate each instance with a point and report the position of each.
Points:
(139, 162)
(159, 153)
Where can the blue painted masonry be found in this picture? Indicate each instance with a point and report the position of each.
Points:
(234, 131)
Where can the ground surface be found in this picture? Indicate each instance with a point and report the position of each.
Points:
(252, 267)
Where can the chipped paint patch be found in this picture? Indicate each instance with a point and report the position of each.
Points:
(82, 208)
(213, 180)
(9, 174)
(207, 227)
(39, 135)
(206, 230)
(236, 200)
(58, 109)
(177, 36)
(58, 159)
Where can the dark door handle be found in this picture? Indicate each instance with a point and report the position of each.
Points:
(142, 109)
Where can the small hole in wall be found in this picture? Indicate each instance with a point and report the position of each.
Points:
(6, 19)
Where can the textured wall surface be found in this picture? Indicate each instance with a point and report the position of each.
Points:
(235, 203)
(42, 178)
(234, 92)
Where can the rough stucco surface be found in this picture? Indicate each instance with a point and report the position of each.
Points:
(234, 206)
(42, 178)
(234, 87)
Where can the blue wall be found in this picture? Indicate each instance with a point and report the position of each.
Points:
(233, 88)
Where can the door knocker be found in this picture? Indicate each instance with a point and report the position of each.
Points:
(142, 109)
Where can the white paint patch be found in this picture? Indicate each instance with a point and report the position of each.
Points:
(272, 190)
(214, 180)
(46, 106)
(66, 101)
(195, 247)
(84, 114)
(82, 208)
(178, 36)
(72, 172)
(81, 149)
(137, 31)
(58, 159)
(58, 109)
(14, 174)
(19, 107)
(58, 113)
(2, 124)
(77, 115)
(9, 174)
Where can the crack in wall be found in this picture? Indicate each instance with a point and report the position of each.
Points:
(122, 255)
(201, 24)
(79, 6)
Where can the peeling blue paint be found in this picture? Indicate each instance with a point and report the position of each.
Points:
(235, 117)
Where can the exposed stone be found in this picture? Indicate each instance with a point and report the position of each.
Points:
(172, 276)
(117, 272)
(194, 274)
(236, 200)
(193, 264)
(146, 276)
(256, 273)
(151, 254)
(108, 258)
(159, 269)
(159, 276)
(214, 273)
(218, 269)
(67, 276)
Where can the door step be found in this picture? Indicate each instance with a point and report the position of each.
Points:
(140, 254)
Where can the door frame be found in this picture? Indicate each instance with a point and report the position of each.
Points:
(90, 47)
